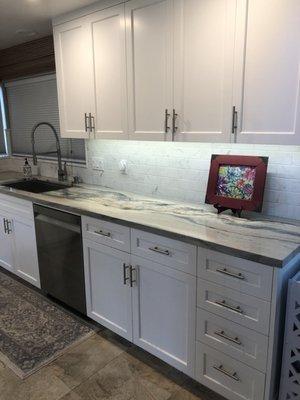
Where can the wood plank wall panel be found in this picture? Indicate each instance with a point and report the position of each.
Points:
(27, 59)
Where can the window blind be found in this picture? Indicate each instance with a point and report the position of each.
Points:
(35, 100)
(2, 141)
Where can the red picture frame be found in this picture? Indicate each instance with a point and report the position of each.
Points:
(223, 203)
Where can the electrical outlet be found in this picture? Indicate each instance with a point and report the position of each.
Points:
(97, 164)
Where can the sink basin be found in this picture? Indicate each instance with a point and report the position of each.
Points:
(35, 185)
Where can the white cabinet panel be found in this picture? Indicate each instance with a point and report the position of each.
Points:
(74, 77)
(170, 252)
(149, 28)
(245, 310)
(204, 69)
(26, 259)
(268, 97)
(241, 343)
(107, 30)
(108, 295)
(6, 243)
(227, 376)
(164, 313)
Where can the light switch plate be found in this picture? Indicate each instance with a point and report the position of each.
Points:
(97, 164)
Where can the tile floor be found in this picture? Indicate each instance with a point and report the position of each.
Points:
(103, 367)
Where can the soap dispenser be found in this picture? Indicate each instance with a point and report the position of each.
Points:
(27, 170)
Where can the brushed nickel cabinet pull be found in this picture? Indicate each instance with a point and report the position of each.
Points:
(92, 122)
(167, 115)
(223, 335)
(125, 277)
(174, 127)
(232, 274)
(161, 251)
(8, 227)
(102, 233)
(224, 304)
(86, 122)
(4, 225)
(131, 271)
(221, 369)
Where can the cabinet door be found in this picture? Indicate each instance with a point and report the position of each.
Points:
(74, 77)
(26, 259)
(164, 307)
(107, 29)
(204, 61)
(149, 27)
(6, 245)
(108, 295)
(268, 81)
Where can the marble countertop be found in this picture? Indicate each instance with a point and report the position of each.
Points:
(265, 240)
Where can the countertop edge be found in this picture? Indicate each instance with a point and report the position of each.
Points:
(269, 261)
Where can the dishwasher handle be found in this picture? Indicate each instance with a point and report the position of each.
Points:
(56, 222)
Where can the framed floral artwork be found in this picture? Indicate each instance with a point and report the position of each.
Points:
(236, 183)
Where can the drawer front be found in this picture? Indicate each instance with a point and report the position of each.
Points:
(236, 273)
(170, 252)
(107, 233)
(240, 308)
(232, 339)
(14, 206)
(227, 376)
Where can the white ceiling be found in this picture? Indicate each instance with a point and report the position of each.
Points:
(31, 15)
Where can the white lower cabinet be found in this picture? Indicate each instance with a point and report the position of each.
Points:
(6, 243)
(108, 294)
(18, 252)
(26, 258)
(164, 313)
(228, 377)
(150, 304)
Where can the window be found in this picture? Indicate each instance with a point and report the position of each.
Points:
(31, 101)
(2, 125)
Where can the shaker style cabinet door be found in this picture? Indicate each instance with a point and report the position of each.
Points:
(107, 37)
(74, 78)
(149, 27)
(25, 250)
(204, 62)
(6, 243)
(108, 292)
(267, 80)
(164, 313)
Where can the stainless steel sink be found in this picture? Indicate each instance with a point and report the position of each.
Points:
(36, 185)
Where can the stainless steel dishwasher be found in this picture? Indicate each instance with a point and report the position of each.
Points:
(60, 255)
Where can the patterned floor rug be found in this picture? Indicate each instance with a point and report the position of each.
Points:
(33, 330)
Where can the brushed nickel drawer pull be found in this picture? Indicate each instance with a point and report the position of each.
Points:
(232, 274)
(223, 335)
(223, 371)
(125, 277)
(161, 251)
(224, 304)
(102, 233)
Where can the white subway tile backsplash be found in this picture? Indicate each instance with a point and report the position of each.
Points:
(179, 171)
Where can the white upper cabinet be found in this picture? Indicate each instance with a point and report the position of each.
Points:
(204, 59)
(149, 28)
(74, 78)
(107, 30)
(267, 81)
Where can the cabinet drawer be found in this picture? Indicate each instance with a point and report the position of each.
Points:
(15, 206)
(236, 273)
(170, 252)
(227, 376)
(108, 233)
(232, 339)
(240, 308)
